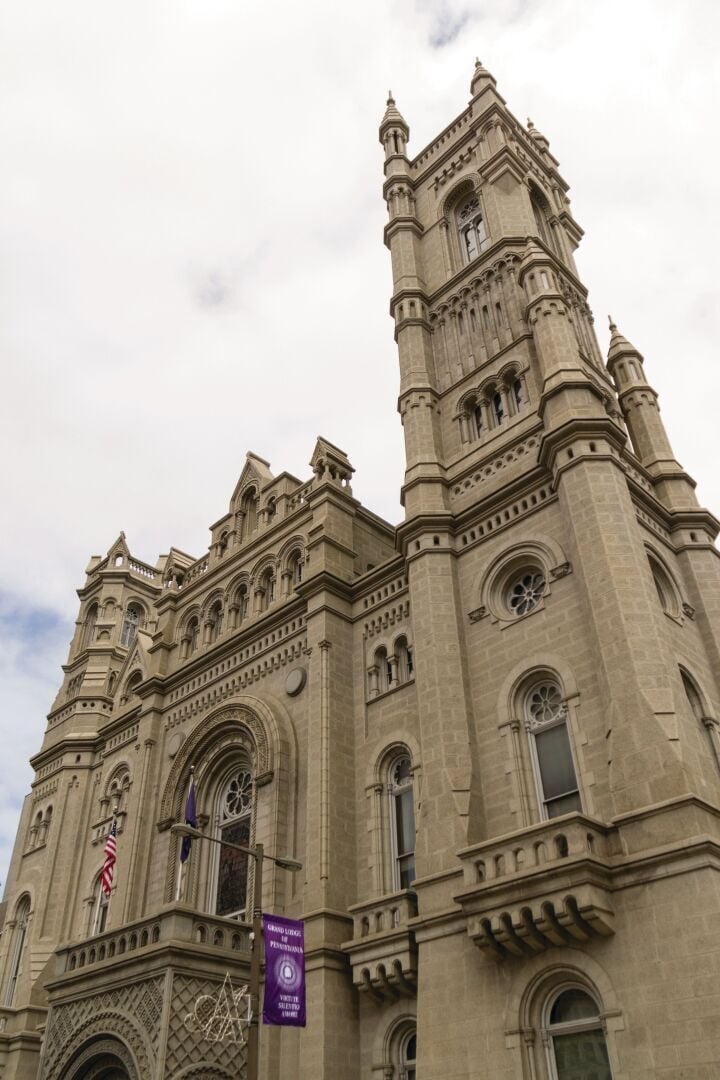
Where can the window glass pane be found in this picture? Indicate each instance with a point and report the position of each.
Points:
(555, 760)
(573, 1005)
(566, 804)
(232, 870)
(481, 234)
(407, 871)
(405, 822)
(470, 242)
(581, 1056)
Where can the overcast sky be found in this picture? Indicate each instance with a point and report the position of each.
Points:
(192, 264)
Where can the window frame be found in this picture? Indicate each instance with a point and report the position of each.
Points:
(241, 766)
(563, 720)
(549, 1031)
(395, 793)
(480, 237)
(20, 933)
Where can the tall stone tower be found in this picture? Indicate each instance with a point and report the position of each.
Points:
(490, 735)
(565, 596)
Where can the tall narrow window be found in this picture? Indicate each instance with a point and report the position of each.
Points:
(576, 1040)
(384, 670)
(194, 635)
(518, 394)
(296, 567)
(498, 408)
(403, 653)
(99, 910)
(235, 820)
(408, 1058)
(557, 785)
(249, 509)
(216, 621)
(402, 822)
(131, 621)
(471, 228)
(89, 630)
(243, 600)
(17, 949)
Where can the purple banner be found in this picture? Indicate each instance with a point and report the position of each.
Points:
(284, 1001)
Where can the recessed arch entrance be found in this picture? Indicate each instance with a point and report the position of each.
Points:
(101, 1059)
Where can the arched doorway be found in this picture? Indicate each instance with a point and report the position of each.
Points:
(102, 1059)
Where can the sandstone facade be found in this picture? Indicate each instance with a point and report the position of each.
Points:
(490, 734)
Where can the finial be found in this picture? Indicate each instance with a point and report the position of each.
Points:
(391, 99)
(192, 769)
(613, 327)
(530, 124)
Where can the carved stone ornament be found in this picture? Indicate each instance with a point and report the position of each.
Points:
(478, 614)
(560, 571)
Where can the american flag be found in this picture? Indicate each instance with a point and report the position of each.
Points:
(108, 869)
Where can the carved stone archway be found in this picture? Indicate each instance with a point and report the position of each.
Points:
(102, 1059)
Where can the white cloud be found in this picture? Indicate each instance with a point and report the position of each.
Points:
(191, 257)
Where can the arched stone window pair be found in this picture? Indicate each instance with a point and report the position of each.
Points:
(390, 671)
(490, 407)
(40, 828)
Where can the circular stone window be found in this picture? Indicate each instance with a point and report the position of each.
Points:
(525, 590)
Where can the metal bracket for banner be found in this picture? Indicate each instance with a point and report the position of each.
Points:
(222, 1017)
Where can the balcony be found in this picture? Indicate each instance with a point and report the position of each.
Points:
(544, 886)
(176, 926)
(383, 954)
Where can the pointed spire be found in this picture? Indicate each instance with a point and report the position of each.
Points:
(619, 345)
(481, 78)
(393, 117)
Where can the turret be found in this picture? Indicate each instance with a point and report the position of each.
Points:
(639, 406)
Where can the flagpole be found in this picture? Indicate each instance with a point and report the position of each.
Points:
(112, 888)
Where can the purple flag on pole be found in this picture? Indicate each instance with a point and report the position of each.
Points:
(284, 1001)
(190, 819)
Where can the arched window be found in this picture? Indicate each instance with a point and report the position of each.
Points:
(131, 621)
(663, 587)
(402, 822)
(575, 1037)
(552, 757)
(131, 687)
(98, 909)
(518, 392)
(541, 213)
(498, 407)
(89, 628)
(408, 1057)
(17, 949)
(242, 602)
(249, 509)
(267, 586)
(404, 657)
(295, 566)
(216, 621)
(45, 825)
(191, 637)
(112, 679)
(471, 228)
(383, 669)
(234, 823)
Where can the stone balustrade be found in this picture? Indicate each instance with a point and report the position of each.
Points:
(176, 923)
(543, 886)
(383, 953)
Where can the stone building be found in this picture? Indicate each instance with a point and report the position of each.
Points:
(489, 734)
